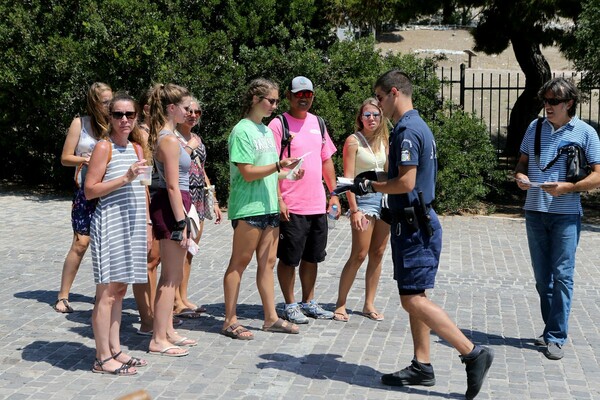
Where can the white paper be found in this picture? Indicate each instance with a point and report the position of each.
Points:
(345, 181)
(538, 184)
(292, 174)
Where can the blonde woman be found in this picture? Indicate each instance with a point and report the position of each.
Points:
(254, 208)
(365, 150)
(82, 136)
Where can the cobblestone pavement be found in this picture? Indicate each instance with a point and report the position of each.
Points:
(484, 283)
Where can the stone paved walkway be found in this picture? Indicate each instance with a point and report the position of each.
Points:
(484, 283)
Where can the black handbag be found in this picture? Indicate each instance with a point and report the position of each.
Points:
(577, 165)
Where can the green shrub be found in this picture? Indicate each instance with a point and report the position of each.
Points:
(467, 163)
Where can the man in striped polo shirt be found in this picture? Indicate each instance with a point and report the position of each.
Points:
(553, 206)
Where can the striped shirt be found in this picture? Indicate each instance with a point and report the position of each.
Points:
(118, 228)
(574, 132)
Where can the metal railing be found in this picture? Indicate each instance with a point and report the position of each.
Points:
(491, 95)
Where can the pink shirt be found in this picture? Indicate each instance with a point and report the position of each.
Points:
(307, 195)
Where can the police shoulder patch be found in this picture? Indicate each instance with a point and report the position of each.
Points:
(405, 155)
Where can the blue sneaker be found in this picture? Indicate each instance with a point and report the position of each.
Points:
(314, 310)
(292, 313)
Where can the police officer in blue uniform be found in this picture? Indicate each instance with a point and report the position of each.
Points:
(417, 237)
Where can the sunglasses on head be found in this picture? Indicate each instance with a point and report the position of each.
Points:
(188, 110)
(368, 114)
(120, 114)
(271, 101)
(554, 101)
(307, 94)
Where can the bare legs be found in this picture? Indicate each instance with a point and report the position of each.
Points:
(145, 293)
(287, 277)
(181, 295)
(71, 266)
(171, 274)
(371, 242)
(425, 316)
(248, 240)
(106, 323)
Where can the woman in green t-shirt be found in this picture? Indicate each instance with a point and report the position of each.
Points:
(254, 208)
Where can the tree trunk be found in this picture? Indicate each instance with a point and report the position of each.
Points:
(527, 107)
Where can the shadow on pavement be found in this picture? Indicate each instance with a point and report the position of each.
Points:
(331, 367)
(69, 356)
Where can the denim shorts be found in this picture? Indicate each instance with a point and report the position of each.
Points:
(259, 221)
(370, 204)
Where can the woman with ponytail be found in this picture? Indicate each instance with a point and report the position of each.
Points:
(168, 210)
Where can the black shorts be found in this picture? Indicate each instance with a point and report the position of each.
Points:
(261, 222)
(303, 237)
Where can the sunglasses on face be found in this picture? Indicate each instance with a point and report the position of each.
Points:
(368, 114)
(121, 114)
(188, 110)
(554, 101)
(306, 94)
(271, 101)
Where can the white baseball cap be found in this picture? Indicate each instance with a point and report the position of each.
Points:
(301, 83)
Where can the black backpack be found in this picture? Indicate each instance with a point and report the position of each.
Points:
(285, 136)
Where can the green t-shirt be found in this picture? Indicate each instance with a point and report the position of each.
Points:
(250, 143)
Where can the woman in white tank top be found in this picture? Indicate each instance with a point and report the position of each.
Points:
(82, 136)
(366, 150)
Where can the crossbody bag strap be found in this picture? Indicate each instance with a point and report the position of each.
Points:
(537, 147)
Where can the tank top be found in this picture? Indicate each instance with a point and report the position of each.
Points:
(184, 165)
(366, 160)
(84, 148)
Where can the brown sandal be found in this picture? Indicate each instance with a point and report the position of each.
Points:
(123, 370)
(133, 361)
(281, 326)
(235, 331)
(65, 301)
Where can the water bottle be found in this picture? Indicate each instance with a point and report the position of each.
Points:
(331, 216)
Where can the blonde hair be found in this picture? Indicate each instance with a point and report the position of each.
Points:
(259, 87)
(160, 97)
(136, 134)
(382, 133)
(96, 110)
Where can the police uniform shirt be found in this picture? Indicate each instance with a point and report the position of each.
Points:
(412, 143)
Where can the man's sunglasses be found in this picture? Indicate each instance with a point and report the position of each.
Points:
(307, 94)
(554, 101)
(120, 115)
(188, 110)
(271, 101)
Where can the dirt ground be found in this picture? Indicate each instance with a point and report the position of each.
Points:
(428, 42)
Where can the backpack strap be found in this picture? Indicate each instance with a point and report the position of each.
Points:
(323, 128)
(285, 136)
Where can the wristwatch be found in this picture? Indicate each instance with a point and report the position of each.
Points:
(179, 225)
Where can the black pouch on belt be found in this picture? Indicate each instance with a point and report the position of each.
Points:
(410, 216)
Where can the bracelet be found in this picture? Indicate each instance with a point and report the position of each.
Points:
(354, 212)
(278, 166)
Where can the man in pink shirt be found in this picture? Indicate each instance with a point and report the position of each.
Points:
(303, 203)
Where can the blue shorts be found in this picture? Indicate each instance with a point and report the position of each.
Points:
(416, 256)
(370, 204)
(261, 222)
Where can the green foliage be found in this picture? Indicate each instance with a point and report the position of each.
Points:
(54, 50)
(467, 162)
(584, 48)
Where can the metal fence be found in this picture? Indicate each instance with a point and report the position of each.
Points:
(491, 95)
